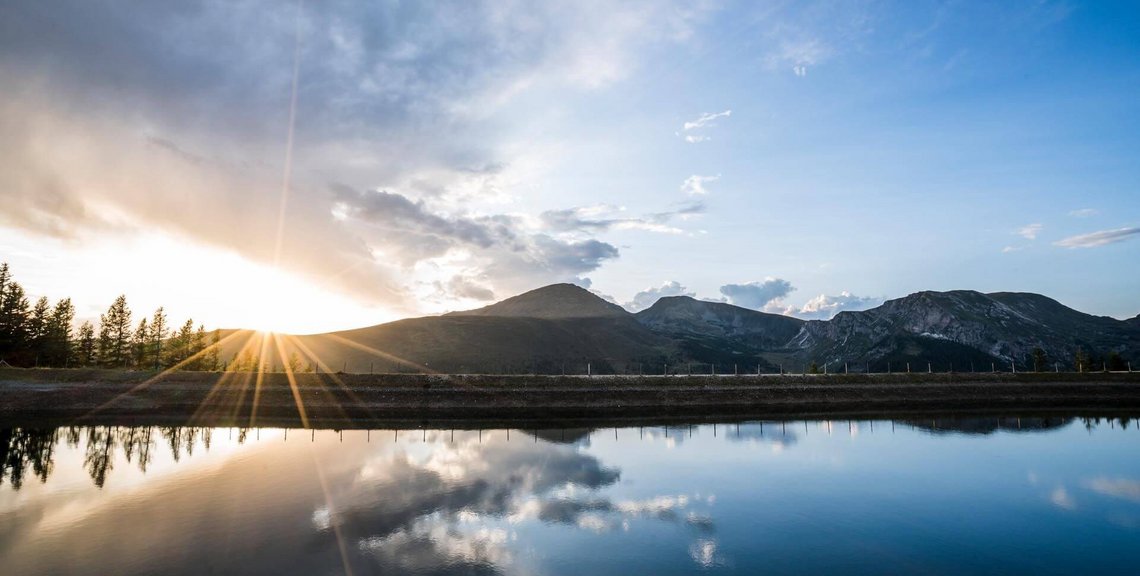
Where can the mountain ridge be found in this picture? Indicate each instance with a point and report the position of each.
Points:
(563, 327)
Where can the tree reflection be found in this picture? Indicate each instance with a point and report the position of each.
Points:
(21, 449)
(98, 457)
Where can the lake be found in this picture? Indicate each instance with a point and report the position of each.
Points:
(1041, 495)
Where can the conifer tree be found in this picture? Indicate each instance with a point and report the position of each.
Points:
(179, 348)
(58, 347)
(159, 332)
(211, 355)
(13, 321)
(141, 345)
(197, 349)
(115, 335)
(85, 345)
(36, 330)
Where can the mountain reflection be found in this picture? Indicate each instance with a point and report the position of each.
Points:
(30, 452)
(275, 501)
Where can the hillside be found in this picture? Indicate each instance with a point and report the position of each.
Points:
(557, 301)
(564, 328)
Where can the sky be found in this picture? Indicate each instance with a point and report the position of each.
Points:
(312, 166)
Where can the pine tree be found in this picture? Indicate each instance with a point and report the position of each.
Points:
(159, 331)
(197, 349)
(294, 362)
(178, 349)
(58, 346)
(141, 345)
(36, 330)
(115, 335)
(85, 345)
(211, 356)
(5, 277)
(13, 321)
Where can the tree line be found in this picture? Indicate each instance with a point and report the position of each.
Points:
(43, 335)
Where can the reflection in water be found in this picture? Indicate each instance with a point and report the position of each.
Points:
(736, 498)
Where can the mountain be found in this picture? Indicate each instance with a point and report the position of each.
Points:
(557, 301)
(719, 332)
(565, 328)
(966, 326)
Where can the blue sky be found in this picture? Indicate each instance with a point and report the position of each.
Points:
(794, 157)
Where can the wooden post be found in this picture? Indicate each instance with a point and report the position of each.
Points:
(588, 369)
(908, 367)
(929, 368)
(845, 368)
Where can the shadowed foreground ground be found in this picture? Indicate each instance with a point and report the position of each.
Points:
(43, 397)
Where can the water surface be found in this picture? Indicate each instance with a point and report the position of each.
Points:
(937, 496)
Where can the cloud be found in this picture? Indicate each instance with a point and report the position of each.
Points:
(823, 306)
(647, 297)
(1030, 231)
(1061, 499)
(695, 185)
(757, 295)
(799, 54)
(1101, 238)
(600, 218)
(114, 119)
(502, 247)
(1084, 212)
(1009, 249)
(705, 120)
(1123, 488)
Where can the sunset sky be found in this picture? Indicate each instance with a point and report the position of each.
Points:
(325, 165)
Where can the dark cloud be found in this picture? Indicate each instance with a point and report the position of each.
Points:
(501, 245)
(174, 116)
(594, 219)
(756, 295)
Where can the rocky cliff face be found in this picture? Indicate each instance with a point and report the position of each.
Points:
(1005, 326)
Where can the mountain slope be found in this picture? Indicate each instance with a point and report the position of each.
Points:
(717, 324)
(969, 326)
(564, 327)
(551, 302)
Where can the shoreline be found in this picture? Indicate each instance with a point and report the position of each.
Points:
(345, 401)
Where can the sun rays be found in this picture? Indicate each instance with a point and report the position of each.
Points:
(259, 367)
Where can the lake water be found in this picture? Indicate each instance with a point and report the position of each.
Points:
(936, 496)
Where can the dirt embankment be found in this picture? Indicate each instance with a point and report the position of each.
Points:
(33, 397)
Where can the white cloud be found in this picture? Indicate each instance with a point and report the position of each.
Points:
(647, 297)
(757, 295)
(1009, 249)
(1030, 231)
(1084, 212)
(695, 185)
(824, 306)
(706, 120)
(799, 54)
(1097, 239)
